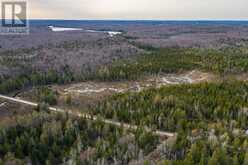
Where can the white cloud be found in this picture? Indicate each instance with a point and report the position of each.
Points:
(140, 9)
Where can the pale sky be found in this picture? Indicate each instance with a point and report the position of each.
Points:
(138, 9)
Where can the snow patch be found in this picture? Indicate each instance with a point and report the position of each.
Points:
(61, 29)
(110, 33)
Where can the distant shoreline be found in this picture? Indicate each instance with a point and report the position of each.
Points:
(60, 22)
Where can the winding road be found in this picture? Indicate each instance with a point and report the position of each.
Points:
(86, 116)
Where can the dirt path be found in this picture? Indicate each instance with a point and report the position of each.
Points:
(86, 116)
(87, 94)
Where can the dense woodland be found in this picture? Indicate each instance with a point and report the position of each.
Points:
(175, 60)
(8, 85)
(43, 138)
(210, 119)
(157, 61)
(180, 107)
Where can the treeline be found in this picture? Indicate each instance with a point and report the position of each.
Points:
(169, 60)
(158, 61)
(36, 79)
(59, 139)
(175, 60)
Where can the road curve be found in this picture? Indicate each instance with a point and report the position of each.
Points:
(86, 116)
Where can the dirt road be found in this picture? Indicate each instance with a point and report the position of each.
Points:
(86, 116)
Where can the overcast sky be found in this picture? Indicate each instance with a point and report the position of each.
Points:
(139, 9)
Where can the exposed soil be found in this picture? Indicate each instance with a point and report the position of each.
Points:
(87, 94)
(95, 88)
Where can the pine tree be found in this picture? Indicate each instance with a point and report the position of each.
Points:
(204, 158)
(189, 159)
(246, 159)
(196, 154)
(18, 148)
(214, 160)
(236, 160)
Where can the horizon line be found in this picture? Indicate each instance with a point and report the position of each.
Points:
(51, 19)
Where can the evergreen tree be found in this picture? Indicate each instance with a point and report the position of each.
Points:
(245, 159)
